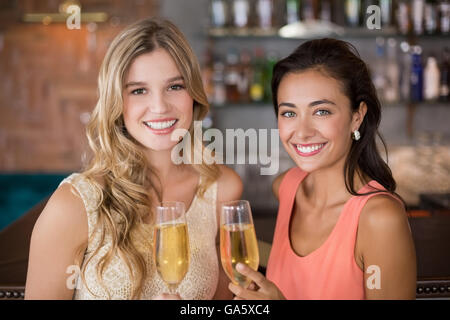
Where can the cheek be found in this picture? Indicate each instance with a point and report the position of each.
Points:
(186, 107)
(336, 130)
(135, 105)
(128, 116)
(132, 114)
(284, 129)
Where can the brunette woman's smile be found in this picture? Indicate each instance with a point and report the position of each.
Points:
(308, 150)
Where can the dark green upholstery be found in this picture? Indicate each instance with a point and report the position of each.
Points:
(20, 192)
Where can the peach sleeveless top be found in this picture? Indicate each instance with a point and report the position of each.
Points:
(329, 272)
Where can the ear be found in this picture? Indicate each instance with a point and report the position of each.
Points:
(358, 116)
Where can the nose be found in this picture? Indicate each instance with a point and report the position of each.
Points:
(157, 103)
(305, 129)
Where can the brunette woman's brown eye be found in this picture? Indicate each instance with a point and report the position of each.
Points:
(323, 112)
(288, 114)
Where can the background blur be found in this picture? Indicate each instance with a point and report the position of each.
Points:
(49, 73)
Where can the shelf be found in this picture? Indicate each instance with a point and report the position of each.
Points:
(245, 105)
(342, 32)
(242, 32)
(401, 104)
(421, 104)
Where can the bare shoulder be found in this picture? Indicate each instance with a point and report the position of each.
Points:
(59, 237)
(382, 212)
(64, 215)
(385, 241)
(276, 183)
(229, 183)
(382, 218)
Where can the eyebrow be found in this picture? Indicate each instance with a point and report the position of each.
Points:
(142, 83)
(312, 104)
(135, 84)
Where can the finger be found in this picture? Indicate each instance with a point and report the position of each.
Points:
(173, 297)
(252, 286)
(167, 296)
(257, 277)
(242, 293)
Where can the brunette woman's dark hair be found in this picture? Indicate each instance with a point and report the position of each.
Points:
(341, 61)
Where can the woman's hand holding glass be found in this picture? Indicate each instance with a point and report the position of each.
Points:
(240, 255)
(260, 289)
(238, 241)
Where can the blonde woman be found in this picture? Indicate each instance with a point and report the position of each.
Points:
(99, 222)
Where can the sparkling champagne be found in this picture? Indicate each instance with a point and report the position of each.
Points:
(171, 252)
(238, 244)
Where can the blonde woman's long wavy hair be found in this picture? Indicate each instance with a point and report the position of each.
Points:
(118, 158)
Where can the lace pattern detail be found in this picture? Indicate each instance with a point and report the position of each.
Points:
(200, 282)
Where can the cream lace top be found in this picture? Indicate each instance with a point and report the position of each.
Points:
(199, 283)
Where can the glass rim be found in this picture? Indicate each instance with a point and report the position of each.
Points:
(170, 204)
(234, 203)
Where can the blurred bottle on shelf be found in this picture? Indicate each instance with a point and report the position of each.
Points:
(219, 13)
(245, 73)
(444, 21)
(338, 12)
(264, 9)
(220, 93)
(431, 80)
(241, 13)
(392, 90)
(242, 79)
(309, 9)
(407, 16)
(232, 76)
(418, 7)
(352, 12)
(257, 83)
(379, 67)
(431, 17)
(399, 74)
(326, 10)
(292, 11)
(405, 71)
(444, 92)
(208, 75)
(416, 74)
(270, 61)
(403, 17)
(386, 7)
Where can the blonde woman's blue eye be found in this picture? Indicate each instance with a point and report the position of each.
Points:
(323, 112)
(138, 91)
(176, 87)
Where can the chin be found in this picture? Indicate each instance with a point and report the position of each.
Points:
(308, 167)
(158, 145)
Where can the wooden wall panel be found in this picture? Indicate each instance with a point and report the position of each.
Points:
(48, 82)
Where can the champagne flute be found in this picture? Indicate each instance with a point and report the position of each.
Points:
(171, 243)
(238, 240)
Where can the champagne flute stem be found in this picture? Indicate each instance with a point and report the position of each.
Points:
(172, 288)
